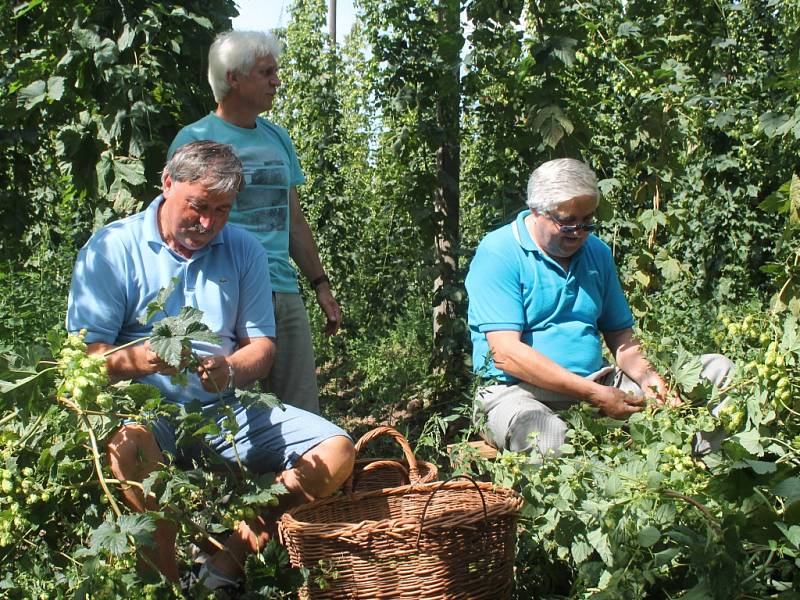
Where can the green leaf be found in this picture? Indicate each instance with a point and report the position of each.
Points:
(724, 118)
(648, 536)
(670, 268)
(686, 369)
(140, 527)
(106, 53)
(702, 591)
(599, 542)
(141, 393)
(32, 94)
(126, 38)
(158, 304)
(248, 398)
(651, 218)
(608, 185)
(172, 334)
(168, 348)
(758, 466)
(612, 486)
(792, 533)
(788, 488)
(580, 551)
(770, 122)
(665, 557)
(750, 441)
(55, 87)
(628, 29)
(131, 171)
(108, 537)
(563, 48)
(10, 386)
(552, 124)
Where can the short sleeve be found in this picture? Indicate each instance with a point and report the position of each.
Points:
(493, 286)
(256, 314)
(296, 175)
(616, 313)
(185, 136)
(97, 308)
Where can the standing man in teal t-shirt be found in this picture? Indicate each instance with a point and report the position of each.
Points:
(243, 73)
(543, 297)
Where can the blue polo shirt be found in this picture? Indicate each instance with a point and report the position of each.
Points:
(514, 286)
(124, 265)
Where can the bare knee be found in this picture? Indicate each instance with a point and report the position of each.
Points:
(322, 470)
(133, 452)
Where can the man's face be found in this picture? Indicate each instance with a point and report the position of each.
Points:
(258, 87)
(547, 227)
(190, 216)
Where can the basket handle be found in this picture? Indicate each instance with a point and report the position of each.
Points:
(413, 470)
(438, 487)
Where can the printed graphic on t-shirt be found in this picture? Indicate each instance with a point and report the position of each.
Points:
(263, 204)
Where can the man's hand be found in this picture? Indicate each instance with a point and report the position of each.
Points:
(214, 373)
(328, 304)
(155, 364)
(615, 403)
(656, 389)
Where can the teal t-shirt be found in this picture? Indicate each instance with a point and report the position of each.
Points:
(271, 169)
(514, 286)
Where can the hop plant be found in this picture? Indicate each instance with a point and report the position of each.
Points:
(83, 375)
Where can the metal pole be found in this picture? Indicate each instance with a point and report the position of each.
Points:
(332, 22)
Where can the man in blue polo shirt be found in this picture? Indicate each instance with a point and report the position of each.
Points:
(542, 292)
(221, 271)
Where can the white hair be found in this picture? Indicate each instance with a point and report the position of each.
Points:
(237, 52)
(558, 181)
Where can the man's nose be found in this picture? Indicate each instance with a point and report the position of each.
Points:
(206, 221)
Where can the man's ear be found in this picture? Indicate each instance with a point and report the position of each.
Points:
(231, 77)
(166, 185)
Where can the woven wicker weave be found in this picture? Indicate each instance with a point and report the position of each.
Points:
(375, 474)
(371, 545)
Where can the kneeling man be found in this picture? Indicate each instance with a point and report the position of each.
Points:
(543, 296)
(221, 271)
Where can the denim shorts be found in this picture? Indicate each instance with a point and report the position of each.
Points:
(268, 440)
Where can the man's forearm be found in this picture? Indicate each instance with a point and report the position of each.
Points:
(628, 354)
(252, 361)
(128, 363)
(302, 247)
(523, 362)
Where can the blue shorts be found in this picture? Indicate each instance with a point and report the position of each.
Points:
(269, 440)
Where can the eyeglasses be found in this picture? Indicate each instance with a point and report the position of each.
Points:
(571, 229)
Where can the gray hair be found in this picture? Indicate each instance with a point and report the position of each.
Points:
(237, 52)
(558, 181)
(211, 163)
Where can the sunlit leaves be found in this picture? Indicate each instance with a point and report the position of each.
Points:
(552, 124)
(172, 336)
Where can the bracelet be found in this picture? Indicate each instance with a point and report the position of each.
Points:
(320, 280)
(231, 378)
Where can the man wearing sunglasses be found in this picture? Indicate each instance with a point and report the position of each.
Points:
(543, 296)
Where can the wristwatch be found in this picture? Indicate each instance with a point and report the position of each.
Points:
(320, 280)
(231, 378)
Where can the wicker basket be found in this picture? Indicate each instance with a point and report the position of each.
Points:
(453, 539)
(375, 474)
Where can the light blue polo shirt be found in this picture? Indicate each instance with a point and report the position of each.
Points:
(271, 169)
(514, 286)
(124, 265)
